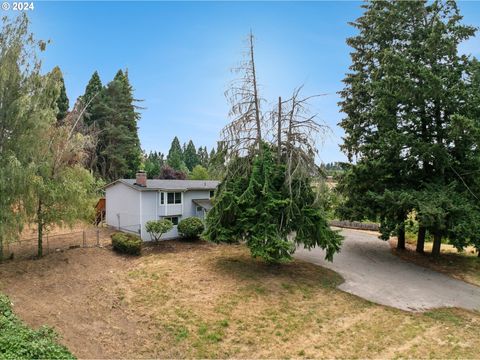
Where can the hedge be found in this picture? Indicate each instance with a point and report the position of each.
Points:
(127, 243)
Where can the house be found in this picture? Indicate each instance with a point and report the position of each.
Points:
(130, 203)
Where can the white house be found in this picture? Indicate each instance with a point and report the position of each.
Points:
(130, 203)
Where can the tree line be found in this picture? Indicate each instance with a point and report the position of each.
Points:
(185, 161)
(412, 123)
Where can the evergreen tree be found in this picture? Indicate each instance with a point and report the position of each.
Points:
(153, 164)
(266, 196)
(92, 91)
(217, 161)
(203, 156)
(257, 206)
(190, 156)
(175, 155)
(401, 100)
(199, 173)
(118, 148)
(62, 102)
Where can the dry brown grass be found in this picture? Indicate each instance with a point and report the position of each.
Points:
(184, 300)
(462, 265)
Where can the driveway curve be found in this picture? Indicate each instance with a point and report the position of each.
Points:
(372, 272)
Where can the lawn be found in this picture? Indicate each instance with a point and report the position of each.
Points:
(462, 265)
(201, 300)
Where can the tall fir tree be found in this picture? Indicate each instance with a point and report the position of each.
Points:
(175, 155)
(118, 148)
(62, 101)
(401, 98)
(202, 155)
(190, 156)
(92, 92)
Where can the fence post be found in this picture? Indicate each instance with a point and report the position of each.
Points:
(98, 237)
(84, 240)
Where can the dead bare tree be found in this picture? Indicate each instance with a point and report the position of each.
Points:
(244, 132)
(298, 136)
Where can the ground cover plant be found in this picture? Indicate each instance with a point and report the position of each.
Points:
(18, 341)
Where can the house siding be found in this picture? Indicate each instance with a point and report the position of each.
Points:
(122, 208)
(131, 209)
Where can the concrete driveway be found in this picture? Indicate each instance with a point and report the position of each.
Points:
(372, 272)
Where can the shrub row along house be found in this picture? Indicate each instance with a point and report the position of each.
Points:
(130, 203)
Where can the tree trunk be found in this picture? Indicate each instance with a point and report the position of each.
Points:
(437, 243)
(40, 229)
(1, 248)
(401, 238)
(255, 94)
(421, 240)
(279, 130)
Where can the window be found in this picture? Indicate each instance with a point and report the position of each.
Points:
(173, 219)
(199, 209)
(174, 198)
(212, 193)
(162, 198)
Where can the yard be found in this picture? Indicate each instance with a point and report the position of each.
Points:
(182, 299)
(462, 265)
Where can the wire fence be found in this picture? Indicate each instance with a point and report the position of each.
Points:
(28, 248)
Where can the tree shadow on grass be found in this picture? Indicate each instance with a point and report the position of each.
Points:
(244, 267)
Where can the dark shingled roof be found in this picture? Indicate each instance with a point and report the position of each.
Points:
(170, 185)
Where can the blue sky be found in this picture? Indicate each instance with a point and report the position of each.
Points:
(179, 56)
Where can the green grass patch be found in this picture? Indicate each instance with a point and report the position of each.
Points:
(445, 315)
(18, 341)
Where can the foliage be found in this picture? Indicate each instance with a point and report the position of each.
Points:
(266, 197)
(257, 207)
(153, 163)
(190, 156)
(217, 162)
(127, 243)
(28, 113)
(175, 155)
(405, 97)
(62, 101)
(169, 173)
(156, 228)
(203, 157)
(199, 173)
(191, 227)
(17, 341)
(92, 91)
(113, 113)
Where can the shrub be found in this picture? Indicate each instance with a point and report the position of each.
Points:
(127, 243)
(191, 227)
(18, 341)
(156, 228)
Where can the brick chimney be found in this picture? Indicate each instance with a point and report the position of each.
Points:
(141, 178)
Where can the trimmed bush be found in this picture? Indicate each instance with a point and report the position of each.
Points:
(191, 228)
(127, 243)
(18, 341)
(156, 228)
